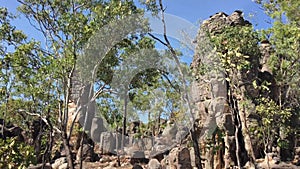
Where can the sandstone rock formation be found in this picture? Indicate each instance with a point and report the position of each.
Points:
(219, 107)
(107, 143)
(178, 158)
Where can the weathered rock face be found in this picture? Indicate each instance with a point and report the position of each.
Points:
(211, 89)
(266, 50)
(217, 111)
(170, 131)
(97, 128)
(178, 158)
(80, 96)
(88, 154)
(218, 21)
(265, 73)
(107, 143)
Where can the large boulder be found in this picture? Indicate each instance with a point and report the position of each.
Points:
(88, 154)
(154, 164)
(162, 147)
(181, 135)
(59, 162)
(107, 143)
(148, 143)
(97, 128)
(137, 156)
(170, 131)
(178, 158)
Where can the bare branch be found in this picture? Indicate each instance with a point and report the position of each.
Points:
(38, 115)
(156, 38)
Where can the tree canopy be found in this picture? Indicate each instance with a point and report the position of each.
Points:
(40, 78)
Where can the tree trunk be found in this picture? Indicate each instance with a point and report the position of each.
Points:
(247, 139)
(67, 150)
(124, 121)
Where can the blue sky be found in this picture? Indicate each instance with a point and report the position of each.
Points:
(182, 14)
(191, 10)
(197, 10)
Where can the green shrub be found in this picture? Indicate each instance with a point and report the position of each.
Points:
(14, 154)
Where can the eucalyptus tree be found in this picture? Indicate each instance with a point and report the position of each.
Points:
(43, 70)
(284, 37)
(66, 28)
(16, 62)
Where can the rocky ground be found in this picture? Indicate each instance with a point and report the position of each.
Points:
(176, 158)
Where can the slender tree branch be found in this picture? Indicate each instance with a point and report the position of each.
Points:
(167, 43)
(156, 38)
(38, 115)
